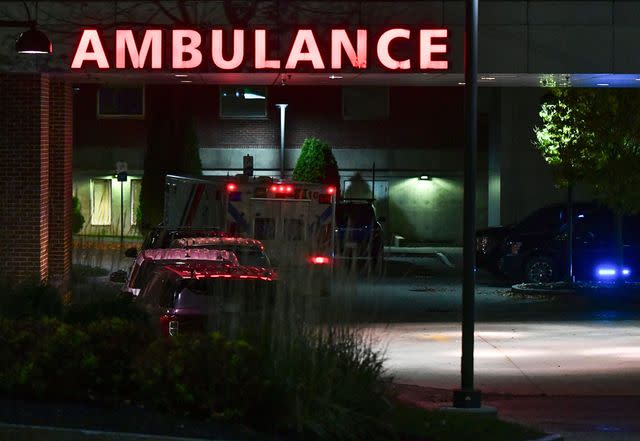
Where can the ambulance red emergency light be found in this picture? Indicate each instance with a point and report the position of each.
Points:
(187, 50)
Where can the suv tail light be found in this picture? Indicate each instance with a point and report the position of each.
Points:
(169, 325)
(320, 260)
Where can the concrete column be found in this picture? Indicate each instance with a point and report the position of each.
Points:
(24, 177)
(60, 183)
(493, 160)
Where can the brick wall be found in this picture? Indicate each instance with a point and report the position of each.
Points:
(24, 176)
(420, 117)
(60, 182)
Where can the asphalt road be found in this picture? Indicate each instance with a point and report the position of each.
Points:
(567, 364)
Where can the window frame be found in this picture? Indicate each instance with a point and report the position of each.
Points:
(121, 115)
(92, 199)
(387, 103)
(244, 117)
(131, 199)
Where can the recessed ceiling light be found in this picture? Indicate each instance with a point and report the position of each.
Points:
(186, 81)
(487, 78)
(461, 84)
(335, 77)
(602, 84)
(181, 75)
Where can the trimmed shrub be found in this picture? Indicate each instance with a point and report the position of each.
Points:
(61, 365)
(116, 343)
(203, 375)
(317, 164)
(18, 343)
(103, 305)
(29, 300)
(54, 360)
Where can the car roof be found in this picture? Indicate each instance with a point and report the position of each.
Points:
(222, 241)
(186, 254)
(210, 270)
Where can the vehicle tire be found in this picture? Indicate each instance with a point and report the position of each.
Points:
(540, 269)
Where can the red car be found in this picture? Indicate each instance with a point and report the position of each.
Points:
(250, 252)
(195, 296)
(148, 260)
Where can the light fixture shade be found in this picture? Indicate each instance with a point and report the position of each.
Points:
(33, 41)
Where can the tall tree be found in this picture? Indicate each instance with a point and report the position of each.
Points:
(172, 148)
(593, 136)
(564, 144)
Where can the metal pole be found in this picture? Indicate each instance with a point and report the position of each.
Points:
(373, 183)
(570, 221)
(121, 212)
(283, 108)
(467, 396)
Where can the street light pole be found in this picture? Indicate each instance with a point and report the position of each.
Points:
(283, 109)
(467, 396)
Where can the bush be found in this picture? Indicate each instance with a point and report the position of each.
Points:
(203, 375)
(116, 343)
(80, 273)
(327, 385)
(18, 342)
(77, 219)
(61, 366)
(48, 358)
(29, 300)
(103, 305)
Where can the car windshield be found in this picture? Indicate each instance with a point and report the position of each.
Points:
(544, 219)
(355, 215)
(247, 256)
(193, 292)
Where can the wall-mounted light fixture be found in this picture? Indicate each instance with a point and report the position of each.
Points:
(425, 178)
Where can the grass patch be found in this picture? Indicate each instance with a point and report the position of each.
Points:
(413, 423)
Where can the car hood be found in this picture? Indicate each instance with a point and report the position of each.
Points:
(495, 231)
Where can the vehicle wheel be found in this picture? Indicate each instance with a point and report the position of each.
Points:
(539, 269)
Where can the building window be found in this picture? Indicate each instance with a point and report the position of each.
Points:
(243, 102)
(120, 102)
(136, 186)
(101, 202)
(365, 103)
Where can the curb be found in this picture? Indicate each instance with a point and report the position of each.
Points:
(552, 437)
(522, 288)
(21, 432)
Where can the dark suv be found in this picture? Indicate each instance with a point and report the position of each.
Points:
(358, 231)
(537, 250)
(490, 242)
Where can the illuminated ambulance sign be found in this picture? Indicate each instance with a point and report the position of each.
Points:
(187, 49)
